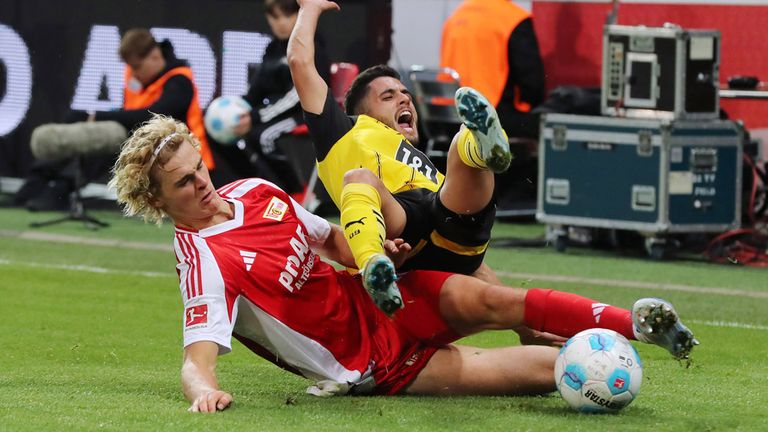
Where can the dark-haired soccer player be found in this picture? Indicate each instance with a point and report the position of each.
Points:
(373, 172)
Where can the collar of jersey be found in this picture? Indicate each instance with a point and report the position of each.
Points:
(233, 223)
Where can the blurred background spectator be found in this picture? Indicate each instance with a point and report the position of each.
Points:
(493, 47)
(275, 107)
(155, 82)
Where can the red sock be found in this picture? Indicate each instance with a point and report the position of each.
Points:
(566, 314)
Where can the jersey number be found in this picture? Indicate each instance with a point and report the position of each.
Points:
(417, 160)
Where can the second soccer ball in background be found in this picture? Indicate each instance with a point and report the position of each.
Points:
(222, 115)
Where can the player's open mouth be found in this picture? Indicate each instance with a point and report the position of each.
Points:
(405, 120)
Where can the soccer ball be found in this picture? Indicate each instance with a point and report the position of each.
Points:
(598, 371)
(222, 115)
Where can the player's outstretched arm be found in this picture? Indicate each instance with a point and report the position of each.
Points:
(336, 248)
(309, 84)
(198, 378)
(528, 336)
(397, 250)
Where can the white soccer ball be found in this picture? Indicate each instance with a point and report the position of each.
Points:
(222, 115)
(598, 371)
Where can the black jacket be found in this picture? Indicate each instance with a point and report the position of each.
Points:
(272, 87)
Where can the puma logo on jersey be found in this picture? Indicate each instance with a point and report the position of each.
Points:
(298, 265)
(248, 258)
(597, 309)
(359, 221)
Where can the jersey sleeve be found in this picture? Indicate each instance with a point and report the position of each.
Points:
(327, 127)
(207, 314)
(318, 228)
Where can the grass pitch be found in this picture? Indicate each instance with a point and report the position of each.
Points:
(92, 340)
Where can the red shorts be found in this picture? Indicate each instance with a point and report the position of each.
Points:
(407, 341)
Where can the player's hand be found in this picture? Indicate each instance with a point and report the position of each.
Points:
(529, 336)
(397, 250)
(212, 401)
(244, 125)
(324, 5)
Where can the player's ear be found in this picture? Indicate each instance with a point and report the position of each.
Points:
(154, 201)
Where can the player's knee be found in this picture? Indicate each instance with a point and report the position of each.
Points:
(545, 366)
(547, 359)
(361, 175)
(502, 304)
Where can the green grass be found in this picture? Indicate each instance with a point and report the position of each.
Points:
(88, 350)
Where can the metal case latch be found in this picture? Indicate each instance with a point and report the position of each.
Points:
(644, 143)
(558, 137)
(558, 191)
(703, 160)
(643, 198)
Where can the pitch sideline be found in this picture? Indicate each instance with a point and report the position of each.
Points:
(87, 269)
(669, 287)
(60, 238)
(635, 284)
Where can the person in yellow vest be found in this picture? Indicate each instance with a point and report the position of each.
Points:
(493, 47)
(384, 186)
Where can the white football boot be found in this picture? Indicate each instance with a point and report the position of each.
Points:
(479, 116)
(656, 322)
(379, 280)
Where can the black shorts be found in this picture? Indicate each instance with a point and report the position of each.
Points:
(444, 240)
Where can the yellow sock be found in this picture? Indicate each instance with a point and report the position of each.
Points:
(468, 151)
(362, 221)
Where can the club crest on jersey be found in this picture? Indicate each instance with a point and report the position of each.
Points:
(196, 315)
(276, 209)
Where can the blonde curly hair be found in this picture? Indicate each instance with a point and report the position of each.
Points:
(133, 177)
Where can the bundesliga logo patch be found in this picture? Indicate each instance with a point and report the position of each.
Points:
(195, 315)
(276, 209)
(618, 383)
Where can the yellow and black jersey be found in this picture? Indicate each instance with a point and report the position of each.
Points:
(343, 143)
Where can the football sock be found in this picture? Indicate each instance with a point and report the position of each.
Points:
(362, 221)
(566, 314)
(469, 153)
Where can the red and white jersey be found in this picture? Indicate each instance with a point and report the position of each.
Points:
(257, 278)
